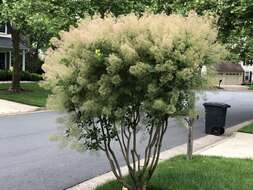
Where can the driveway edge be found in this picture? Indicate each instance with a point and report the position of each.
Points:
(38, 110)
(229, 131)
(8, 107)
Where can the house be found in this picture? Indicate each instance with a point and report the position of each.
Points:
(248, 71)
(6, 48)
(229, 73)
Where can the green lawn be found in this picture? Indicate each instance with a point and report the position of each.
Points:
(247, 129)
(202, 173)
(33, 94)
(250, 86)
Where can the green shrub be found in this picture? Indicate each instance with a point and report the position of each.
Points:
(116, 76)
(5, 75)
(25, 76)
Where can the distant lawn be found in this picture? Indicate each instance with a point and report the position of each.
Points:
(247, 129)
(33, 94)
(202, 173)
(250, 86)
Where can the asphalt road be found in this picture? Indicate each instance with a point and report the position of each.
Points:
(30, 161)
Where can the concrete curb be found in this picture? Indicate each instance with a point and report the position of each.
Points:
(200, 144)
(229, 131)
(232, 134)
(239, 145)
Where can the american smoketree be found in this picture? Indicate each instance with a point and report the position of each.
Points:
(115, 77)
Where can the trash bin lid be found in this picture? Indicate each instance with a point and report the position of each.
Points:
(216, 104)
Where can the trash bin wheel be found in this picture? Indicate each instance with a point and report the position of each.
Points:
(218, 131)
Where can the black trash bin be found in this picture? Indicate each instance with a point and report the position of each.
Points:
(215, 117)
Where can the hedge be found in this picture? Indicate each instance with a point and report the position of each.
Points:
(25, 76)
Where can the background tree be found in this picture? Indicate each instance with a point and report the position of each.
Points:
(36, 22)
(117, 77)
(234, 20)
(59, 15)
(116, 7)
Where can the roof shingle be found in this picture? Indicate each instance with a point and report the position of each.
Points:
(6, 43)
(226, 67)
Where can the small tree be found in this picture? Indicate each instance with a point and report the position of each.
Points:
(115, 77)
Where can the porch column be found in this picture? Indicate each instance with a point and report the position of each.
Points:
(23, 60)
(10, 60)
(243, 77)
(5, 60)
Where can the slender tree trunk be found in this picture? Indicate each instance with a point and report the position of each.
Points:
(16, 74)
(190, 122)
(126, 137)
(190, 142)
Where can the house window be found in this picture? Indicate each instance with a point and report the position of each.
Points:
(3, 28)
(247, 76)
(249, 62)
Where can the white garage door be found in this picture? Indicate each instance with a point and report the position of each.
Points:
(230, 79)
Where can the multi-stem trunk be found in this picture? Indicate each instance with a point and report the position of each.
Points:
(16, 74)
(139, 175)
(141, 186)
